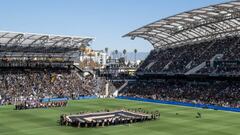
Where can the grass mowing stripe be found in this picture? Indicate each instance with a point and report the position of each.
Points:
(43, 121)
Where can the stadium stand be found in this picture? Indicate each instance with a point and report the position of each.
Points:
(180, 60)
(45, 83)
(36, 66)
(224, 94)
(195, 57)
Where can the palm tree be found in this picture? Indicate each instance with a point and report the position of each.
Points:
(106, 50)
(124, 52)
(98, 59)
(135, 54)
(116, 52)
(83, 49)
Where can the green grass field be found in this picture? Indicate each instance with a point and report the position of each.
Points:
(44, 121)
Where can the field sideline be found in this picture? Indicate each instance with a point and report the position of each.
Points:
(44, 121)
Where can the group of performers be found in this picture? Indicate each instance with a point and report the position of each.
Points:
(36, 104)
(66, 120)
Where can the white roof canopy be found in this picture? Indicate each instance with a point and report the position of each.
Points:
(30, 40)
(215, 21)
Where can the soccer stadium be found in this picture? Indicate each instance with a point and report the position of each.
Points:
(188, 84)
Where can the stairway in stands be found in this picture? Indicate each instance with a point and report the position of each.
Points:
(150, 65)
(82, 72)
(202, 65)
(115, 94)
(196, 69)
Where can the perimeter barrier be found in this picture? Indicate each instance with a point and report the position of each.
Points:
(64, 99)
(205, 106)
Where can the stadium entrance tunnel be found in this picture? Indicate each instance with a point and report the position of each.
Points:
(108, 118)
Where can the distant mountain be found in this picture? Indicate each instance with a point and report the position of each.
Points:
(131, 55)
(139, 56)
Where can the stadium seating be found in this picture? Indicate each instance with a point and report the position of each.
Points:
(226, 94)
(220, 57)
(19, 84)
(181, 59)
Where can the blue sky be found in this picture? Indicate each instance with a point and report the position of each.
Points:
(105, 20)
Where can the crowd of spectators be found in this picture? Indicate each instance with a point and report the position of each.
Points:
(225, 94)
(36, 104)
(183, 58)
(21, 84)
(218, 57)
(108, 118)
(220, 70)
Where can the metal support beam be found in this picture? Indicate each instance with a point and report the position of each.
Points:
(42, 39)
(14, 40)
